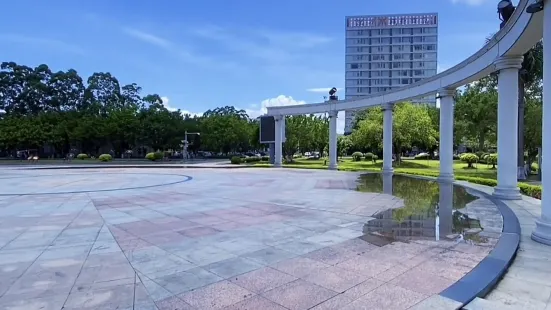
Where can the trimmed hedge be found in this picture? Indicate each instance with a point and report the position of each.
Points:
(82, 156)
(105, 157)
(150, 156)
(357, 156)
(236, 160)
(251, 159)
(526, 189)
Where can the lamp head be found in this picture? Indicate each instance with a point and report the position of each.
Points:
(505, 9)
(332, 91)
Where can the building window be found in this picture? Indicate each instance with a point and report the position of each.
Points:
(353, 66)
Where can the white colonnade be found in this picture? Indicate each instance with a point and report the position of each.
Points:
(387, 138)
(279, 127)
(507, 127)
(542, 233)
(445, 151)
(333, 140)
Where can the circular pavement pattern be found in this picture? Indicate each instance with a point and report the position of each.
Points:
(73, 183)
(230, 239)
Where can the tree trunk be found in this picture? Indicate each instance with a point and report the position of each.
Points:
(521, 173)
(481, 138)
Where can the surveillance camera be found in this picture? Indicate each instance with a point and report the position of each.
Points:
(535, 7)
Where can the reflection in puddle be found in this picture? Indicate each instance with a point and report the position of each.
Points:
(426, 210)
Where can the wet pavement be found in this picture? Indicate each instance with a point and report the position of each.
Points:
(229, 239)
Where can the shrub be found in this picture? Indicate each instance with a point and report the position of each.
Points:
(369, 156)
(424, 156)
(159, 155)
(236, 160)
(105, 157)
(480, 154)
(357, 156)
(265, 158)
(526, 189)
(251, 159)
(469, 158)
(491, 159)
(82, 156)
(150, 156)
(374, 158)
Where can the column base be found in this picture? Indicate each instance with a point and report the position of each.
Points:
(542, 233)
(446, 178)
(278, 165)
(333, 167)
(510, 193)
(388, 170)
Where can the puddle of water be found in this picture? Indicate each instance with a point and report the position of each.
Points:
(425, 210)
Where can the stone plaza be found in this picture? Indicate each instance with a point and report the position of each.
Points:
(152, 238)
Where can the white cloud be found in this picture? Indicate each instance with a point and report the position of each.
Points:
(147, 37)
(283, 100)
(43, 43)
(166, 101)
(321, 90)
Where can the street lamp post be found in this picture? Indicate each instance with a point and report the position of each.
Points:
(185, 143)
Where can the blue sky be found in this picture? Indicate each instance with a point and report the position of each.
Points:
(204, 54)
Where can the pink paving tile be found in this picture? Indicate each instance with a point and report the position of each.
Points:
(275, 217)
(216, 296)
(335, 278)
(198, 232)
(459, 258)
(386, 297)
(392, 273)
(444, 269)
(422, 282)
(173, 223)
(334, 303)
(164, 237)
(354, 247)
(362, 288)
(367, 265)
(251, 220)
(255, 303)
(130, 245)
(299, 295)
(299, 266)
(229, 226)
(174, 303)
(329, 256)
(120, 234)
(262, 280)
(204, 219)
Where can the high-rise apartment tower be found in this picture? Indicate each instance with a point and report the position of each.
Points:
(385, 52)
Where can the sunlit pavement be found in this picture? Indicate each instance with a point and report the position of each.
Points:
(209, 239)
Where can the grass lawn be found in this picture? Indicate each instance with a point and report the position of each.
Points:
(409, 165)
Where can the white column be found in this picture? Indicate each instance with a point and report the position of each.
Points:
(445, 151)
(278, 140)
(542, 233)
(333, 140)
(507, 126)
(387, 138)
(387, 183)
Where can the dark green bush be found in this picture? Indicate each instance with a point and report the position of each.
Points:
(251, 159)
(265, 158)
(105, 157)
(236, 160)
(357, 156)
(374, 158)
(82, 156)
(159, 155)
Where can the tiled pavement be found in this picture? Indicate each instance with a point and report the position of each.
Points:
(227, 239)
